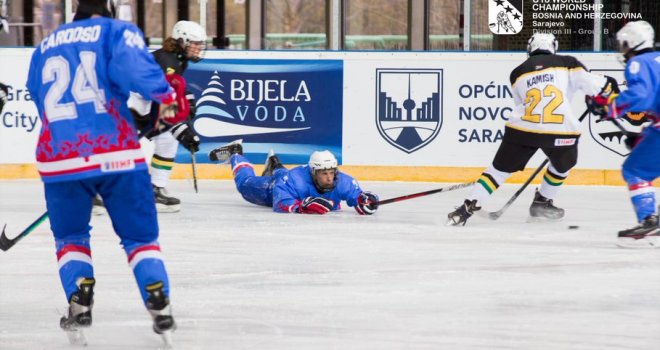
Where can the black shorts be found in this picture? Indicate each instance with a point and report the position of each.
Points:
(518, 147)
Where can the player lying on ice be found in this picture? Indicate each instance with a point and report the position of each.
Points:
(642, 166)
(315, 188)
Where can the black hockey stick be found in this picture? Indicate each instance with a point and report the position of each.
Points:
(425, 193)
(496, 214)
(194, 170)
(6, 243)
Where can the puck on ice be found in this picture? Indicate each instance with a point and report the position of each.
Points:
(573, 227)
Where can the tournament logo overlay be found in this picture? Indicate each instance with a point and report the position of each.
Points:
(409, 106)
(505, 16)
(292, 106)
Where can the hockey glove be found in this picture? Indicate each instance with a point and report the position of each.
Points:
(367, 203)
(4, 92)
(167, 112)
(315, 205)
(141, 121)
(612, 86)
(599, 105)
(186, 136)
(193, 108)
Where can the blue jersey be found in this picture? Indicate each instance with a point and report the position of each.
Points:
(643, 93)
(292, 188)
(80, 78)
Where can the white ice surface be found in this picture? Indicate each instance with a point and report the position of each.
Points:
(243, 277)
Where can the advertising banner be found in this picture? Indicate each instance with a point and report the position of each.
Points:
(405, 109)
(292, 106)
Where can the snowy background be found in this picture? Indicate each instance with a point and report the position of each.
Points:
(244, 277)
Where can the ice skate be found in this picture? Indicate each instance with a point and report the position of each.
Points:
(97, 206)
(165, 203)
(542, 209)
(459, 216)
(160, 310)
(644, 235)
(79, 315)
(222, 153)
(272, 163)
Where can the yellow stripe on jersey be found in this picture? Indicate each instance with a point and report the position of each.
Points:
(509, 125)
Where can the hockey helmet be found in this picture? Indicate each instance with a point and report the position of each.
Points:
(192, 38)
(88, 8)
(635, 36)
(323, 160)
(543, 42)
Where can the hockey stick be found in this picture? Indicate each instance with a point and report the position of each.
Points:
(6, 243)
(194, 170)
(496, 214)
(425, 193)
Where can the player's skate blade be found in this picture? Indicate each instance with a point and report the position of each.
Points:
(647, 242)
(644, 243)
(76, 337)
(162, 208)
(167, 339)
(539, 219)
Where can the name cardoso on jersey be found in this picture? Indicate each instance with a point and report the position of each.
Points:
(89, 34)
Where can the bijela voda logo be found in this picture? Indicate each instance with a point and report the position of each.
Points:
(505, 16)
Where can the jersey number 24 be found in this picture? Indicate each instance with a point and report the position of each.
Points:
(85, 87)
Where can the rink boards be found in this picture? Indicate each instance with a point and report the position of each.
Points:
(408, 116)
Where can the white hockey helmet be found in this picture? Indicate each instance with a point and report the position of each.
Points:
(322, 160)
(542, 41)
(190, 32)
(635, 36)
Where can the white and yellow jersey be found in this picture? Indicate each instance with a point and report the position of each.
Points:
(542, 88)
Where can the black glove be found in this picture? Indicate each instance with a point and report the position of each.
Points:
(186, 136)
(367, 203)
(632, 138)
(141, 121)
(193, 108)
(4, 95)
(315, 205)
(612, 86)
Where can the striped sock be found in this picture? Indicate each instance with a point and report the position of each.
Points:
(489, 181)
(552, 181)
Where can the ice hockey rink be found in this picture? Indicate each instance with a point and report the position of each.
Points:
(243, 277)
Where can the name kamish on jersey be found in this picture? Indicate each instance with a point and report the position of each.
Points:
(70, 36)
(541, 78)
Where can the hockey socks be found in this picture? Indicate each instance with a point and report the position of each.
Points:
(552, 181)
(148, 267)
(74, 259)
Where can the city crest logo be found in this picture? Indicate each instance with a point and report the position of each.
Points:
(605, 133)
(409, 106)
(505, 16)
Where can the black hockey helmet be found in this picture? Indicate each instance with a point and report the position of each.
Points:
(88, 8)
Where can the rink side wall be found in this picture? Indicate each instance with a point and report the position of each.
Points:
(390, 116)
